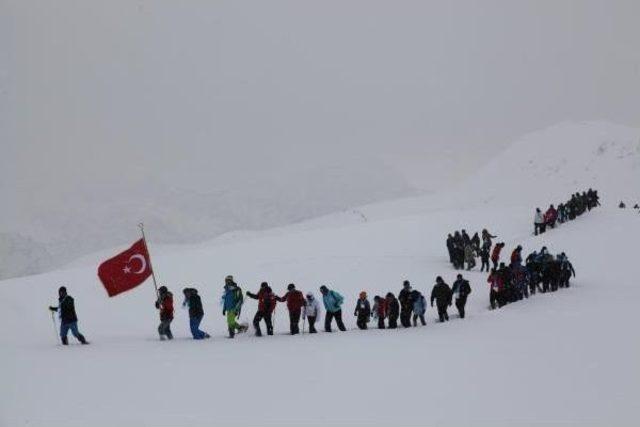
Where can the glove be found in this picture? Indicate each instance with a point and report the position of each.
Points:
(157, 304)
(224, 312)
(53, 308)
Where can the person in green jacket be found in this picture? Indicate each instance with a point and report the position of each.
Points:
(232, 300)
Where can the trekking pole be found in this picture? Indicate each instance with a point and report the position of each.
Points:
(55, 326)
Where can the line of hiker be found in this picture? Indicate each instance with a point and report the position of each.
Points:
(464, 249)
(578, 204)
(541, 272)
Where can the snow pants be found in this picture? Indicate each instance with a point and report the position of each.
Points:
(164, 329)
(362, 321)
(294, 321)
(267, 321)
(393, 321)
(194, 324)
(73, 327)
(405, 317)
(421, 317)
(460, 303)
(442, 312)
(232, 322)
(381, 323)
(312, 324)
(328, 318)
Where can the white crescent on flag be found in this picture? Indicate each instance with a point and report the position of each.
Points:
(142, 260)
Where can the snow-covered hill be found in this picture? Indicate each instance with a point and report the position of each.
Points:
(564, 357)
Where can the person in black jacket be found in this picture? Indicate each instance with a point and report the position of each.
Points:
(441, 293)
(362, 311)
(461, 290)
(406, 304)
(68, 318)
(393, 310)
(196, 312)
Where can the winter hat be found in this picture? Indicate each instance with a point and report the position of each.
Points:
(438, 279)
(291, 287)
(459, 276)
(62, 290)
(310, 295)
(406, 284)
(363, 295)
(229, 278)
(264, 285)
(324, 289)
(162, 289)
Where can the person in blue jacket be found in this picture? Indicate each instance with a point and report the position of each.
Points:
(332, 304)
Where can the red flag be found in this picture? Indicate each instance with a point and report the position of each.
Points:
(126, 270)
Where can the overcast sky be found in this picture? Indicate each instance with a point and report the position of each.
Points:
(126, 93)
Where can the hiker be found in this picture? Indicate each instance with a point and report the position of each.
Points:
(311, 310)
(68, 318)
(470, 256)
(362, 311)
(379, 310)
(393, 310)
(295, 301)
(164, 303)
(441, 294)
(538, 222)
(495, 254)
(193, 301)
(419, 307)
(232, 301)
(406, 305)
(461, 291)
(484, 257)
(266, 307)
(332, 305)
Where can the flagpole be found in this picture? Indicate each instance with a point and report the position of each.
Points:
(153, 272)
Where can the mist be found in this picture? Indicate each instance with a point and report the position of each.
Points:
(202, 117)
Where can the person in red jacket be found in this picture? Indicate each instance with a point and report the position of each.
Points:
(266, 305)
(165, 305)
(516, 256)
(496, 282)
(495, 254)
(295, 302)
(550, 216)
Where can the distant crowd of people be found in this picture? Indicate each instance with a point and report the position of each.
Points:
(463, 250)
(578, 204)
(541, 271)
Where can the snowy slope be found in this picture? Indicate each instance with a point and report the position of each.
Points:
(567, 357)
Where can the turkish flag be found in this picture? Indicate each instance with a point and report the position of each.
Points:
(126, 270)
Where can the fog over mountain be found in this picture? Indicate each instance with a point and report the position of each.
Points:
(201, 117)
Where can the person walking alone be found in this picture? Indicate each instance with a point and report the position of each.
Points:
(68, 318)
